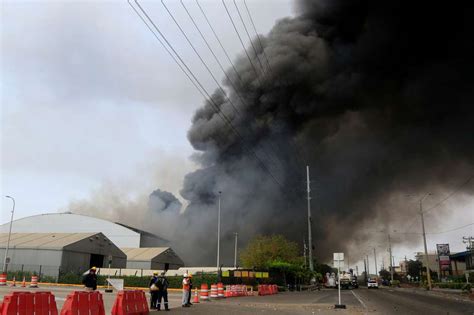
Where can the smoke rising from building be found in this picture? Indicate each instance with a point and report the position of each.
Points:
(375, 96)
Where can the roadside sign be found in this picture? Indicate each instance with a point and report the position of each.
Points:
(116, 283)
(7, 260)
(338, 256)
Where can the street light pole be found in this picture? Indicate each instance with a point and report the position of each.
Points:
(390, 260)
(428, 275)
(310, 240)
(235, 249)
(375, 258)
(9, 235)
(218, 231)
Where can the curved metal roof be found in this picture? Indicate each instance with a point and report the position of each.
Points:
(74, 223)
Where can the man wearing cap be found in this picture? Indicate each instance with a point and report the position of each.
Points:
(90, 280)
(154, 289)
(162, 284)
(185, 290)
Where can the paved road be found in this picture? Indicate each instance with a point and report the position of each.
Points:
(360, 301)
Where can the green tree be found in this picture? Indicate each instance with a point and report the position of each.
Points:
(269, 251)
(414, 268)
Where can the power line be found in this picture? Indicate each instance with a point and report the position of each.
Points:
(219, 41)
(441, 232)
(248, 35)
(199, 56)
(269, 158)
(241, 42)
(450, 195)
(454, 229)
(216, 107)
(256, 34)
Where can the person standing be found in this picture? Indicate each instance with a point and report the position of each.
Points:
(190, 289)
(90, 280)
(185, 290)
(154, 289)
(162, 284)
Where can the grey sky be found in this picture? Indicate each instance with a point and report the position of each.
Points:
(88, 95)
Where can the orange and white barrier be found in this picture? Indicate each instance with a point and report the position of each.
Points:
(220, 290)
(3, 279)
(23, 283)
(267, 289)
(29, 303)
(204, 292)
(129, 302)
(34, 282)
(214, 291)
(80, 302)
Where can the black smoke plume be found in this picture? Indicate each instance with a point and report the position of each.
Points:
(375, 96)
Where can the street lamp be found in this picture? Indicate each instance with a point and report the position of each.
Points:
(9, 235)
(218, 231)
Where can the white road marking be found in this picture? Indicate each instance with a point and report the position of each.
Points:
(361, 302)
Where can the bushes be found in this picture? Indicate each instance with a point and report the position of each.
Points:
(450, 285)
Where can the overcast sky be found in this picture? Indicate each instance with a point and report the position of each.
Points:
(88, 97)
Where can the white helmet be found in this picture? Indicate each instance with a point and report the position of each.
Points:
(185, 275)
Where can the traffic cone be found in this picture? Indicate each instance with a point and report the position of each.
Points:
(23, 283)
(196, 296)
(14, 282)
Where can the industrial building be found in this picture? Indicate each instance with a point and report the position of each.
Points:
(146, 250)
(52, 253)
(121, 235)
(155, 258)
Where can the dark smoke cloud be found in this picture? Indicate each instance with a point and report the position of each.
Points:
(376, 96)
(161, 200)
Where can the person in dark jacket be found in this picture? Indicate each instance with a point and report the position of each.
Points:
(154, 289)
(90, 280)
(163, 285)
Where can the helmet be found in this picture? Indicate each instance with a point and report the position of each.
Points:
(163, 273)
(155, 273)
(190, 275)
(185, 275)
(94, 268)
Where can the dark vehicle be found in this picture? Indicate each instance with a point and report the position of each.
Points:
(355, 282)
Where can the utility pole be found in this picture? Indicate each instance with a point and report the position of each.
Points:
(5, 263)
(310, 240)
(368, 269)
(428, 275)
(218, 231)
(375, 257)
(390, 259)
(304, 251)
(235, 249)
(365, 270)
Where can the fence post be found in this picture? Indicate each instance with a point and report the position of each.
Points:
(39, 274)
(141, 273)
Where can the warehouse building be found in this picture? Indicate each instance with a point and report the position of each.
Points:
(155, 258)
(121, 235)
(53, 253)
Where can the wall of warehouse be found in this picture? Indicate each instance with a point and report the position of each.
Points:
(46, 261)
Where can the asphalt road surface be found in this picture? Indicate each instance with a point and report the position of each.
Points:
(360, 301)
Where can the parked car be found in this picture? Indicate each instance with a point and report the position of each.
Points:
(372, 284)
